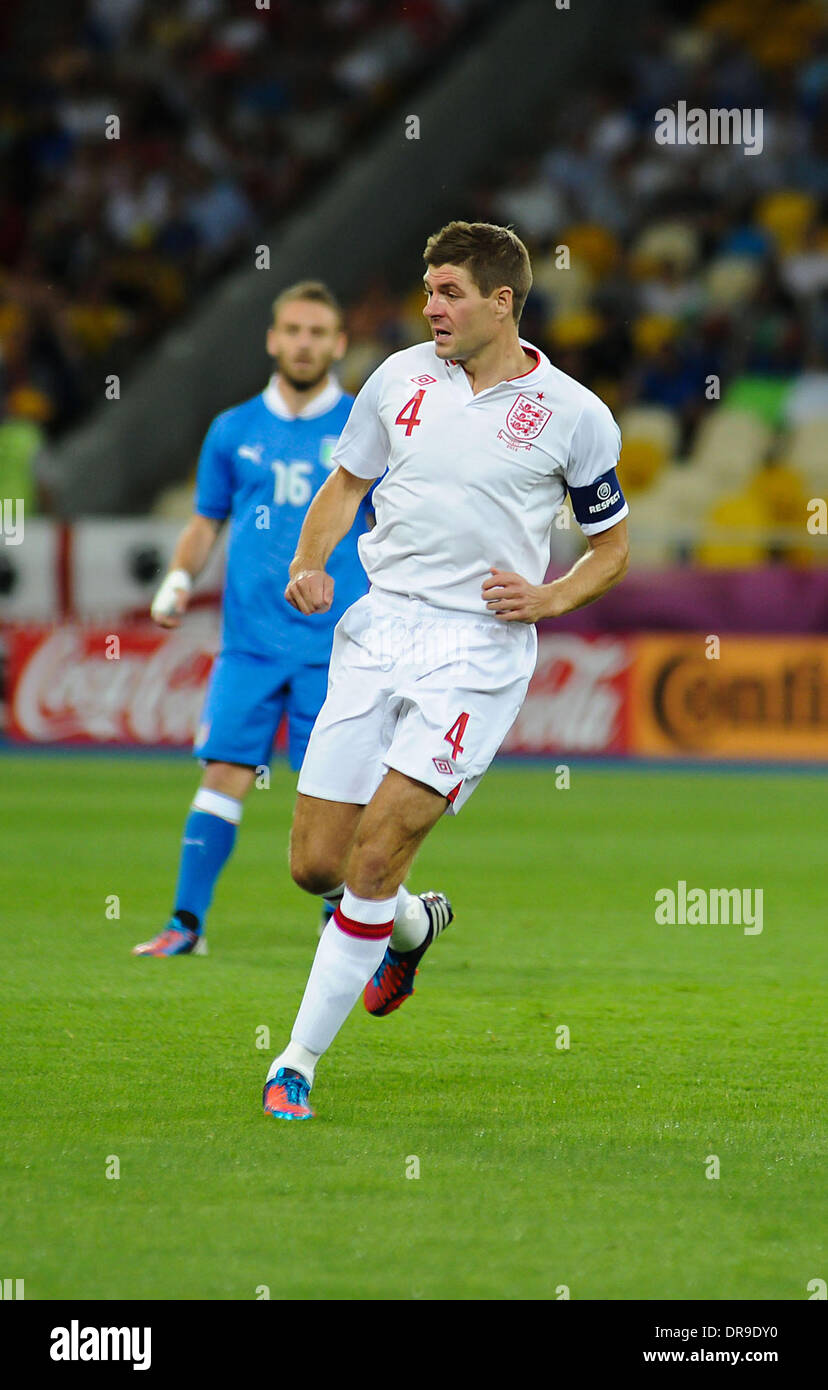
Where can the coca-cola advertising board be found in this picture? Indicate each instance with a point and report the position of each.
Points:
(578, 698)
(75, 684)
(82, 685)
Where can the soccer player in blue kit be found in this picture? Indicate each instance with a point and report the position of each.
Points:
(261, 464)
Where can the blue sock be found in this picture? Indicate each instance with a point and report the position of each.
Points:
(205, 848)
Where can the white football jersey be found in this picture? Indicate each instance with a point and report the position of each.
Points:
(474, 482)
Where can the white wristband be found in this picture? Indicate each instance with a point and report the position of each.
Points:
(165, 603)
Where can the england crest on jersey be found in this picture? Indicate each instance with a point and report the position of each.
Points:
(527, 418)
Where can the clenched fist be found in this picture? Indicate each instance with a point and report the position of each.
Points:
(311, 591)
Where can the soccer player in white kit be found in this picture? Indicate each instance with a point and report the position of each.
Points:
(477, 438)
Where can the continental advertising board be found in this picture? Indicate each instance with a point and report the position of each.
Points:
(727, 698)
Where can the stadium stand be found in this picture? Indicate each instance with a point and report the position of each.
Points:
(692, 296)
(228, 118)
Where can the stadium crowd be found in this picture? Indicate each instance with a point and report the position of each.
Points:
(667, 277)
(227, 115)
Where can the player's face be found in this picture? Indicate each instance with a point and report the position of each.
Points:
(461, 319)
(305, 339)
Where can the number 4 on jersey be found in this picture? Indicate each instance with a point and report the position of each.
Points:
(411, 419)
(455, 734)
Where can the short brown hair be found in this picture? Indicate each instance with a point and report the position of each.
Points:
(315, 291)
(493, 256)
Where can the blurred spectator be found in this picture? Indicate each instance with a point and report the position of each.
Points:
(25, 412)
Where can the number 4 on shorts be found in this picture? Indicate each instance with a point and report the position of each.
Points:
(455, 734)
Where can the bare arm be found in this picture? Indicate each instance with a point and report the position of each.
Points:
(329, 517)
(511, 597)
(192, 549)
(605, 562)
(191, 553)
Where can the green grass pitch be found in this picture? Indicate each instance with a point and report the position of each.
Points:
(539, 1166)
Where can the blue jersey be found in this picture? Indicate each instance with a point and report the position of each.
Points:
(262, 468)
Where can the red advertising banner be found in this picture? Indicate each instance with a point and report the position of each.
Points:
(659, 696)
(85, 685)
(141, 686)
(578, 698)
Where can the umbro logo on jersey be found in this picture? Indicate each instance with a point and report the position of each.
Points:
(423, 380)
(443, 765)
(250, 451)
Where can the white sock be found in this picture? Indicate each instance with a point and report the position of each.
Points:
(298, 1058)
(410, 922)
(349, 952)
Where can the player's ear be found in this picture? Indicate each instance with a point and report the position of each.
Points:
(270, 341)
(340, 347)
(503, 301)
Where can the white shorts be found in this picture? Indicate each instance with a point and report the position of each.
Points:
(429, 691)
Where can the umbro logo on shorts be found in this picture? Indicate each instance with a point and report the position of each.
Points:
(443, 765)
